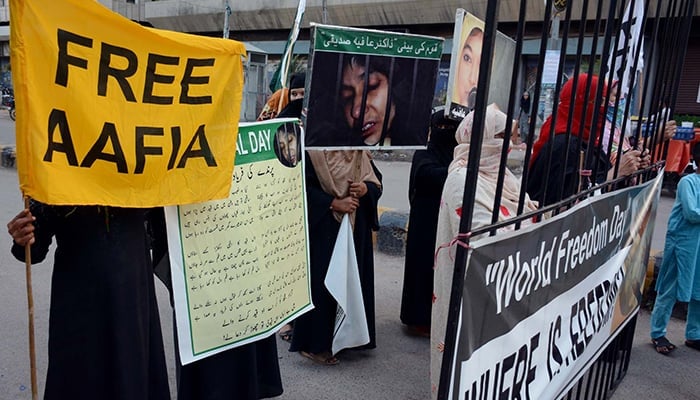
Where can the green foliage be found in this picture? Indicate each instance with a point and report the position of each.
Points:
(296, 64)
(585, 64)
(687, 118)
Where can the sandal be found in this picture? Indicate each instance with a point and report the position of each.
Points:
(663, 346)
(320, 358)
(286, 333)
(418, 330)
(693, 344)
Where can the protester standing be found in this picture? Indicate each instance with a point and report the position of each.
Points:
(679, 274)
(557, 160)
(337, 183)
(105, 339)
(450, 215)
(427, 177)
(524, 117)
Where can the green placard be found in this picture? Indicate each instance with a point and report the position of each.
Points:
(255, 141)
(365, 41)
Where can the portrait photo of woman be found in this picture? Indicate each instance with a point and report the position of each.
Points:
(287, 144)
(357, 101)
(468, 68)
(466, 59)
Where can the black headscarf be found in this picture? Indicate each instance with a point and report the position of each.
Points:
(442, 140)
(435, 160)
(296, 81)
(292, 110)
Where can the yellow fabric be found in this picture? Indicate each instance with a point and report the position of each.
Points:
(158, 85)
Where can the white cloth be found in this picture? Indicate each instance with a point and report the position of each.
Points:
(343, 283)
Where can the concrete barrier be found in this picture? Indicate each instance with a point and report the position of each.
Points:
(8, 156)
(393, 228)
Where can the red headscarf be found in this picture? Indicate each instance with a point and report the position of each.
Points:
(565, 107)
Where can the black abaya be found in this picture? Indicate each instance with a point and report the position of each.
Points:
(428, 174)
(248, 372)
(104, 331)
(313, 331)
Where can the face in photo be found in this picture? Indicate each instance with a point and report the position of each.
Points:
(369, 117)
(468, 68)
(287, 145)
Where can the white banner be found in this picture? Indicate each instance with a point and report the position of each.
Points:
(621, 60)
(542, 303)
(343, 283)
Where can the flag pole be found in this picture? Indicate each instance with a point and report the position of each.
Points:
(227, 16)
(325, 12)
(30, 310)
(285, 60)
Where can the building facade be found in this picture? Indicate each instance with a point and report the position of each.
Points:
(264, 26)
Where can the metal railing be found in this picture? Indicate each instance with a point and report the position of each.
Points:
(665, 28)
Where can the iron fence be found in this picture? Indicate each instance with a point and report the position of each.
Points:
(658, 54)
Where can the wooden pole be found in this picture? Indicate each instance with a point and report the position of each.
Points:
(30, 310)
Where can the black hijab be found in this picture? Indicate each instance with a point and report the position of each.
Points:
(442, 140)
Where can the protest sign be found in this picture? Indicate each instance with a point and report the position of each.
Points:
(239, 266)
(122, 115)
(390, 106)
(465, 66)
(629, 42)
(541, 303)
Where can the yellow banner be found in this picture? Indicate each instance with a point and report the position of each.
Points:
(110, 112)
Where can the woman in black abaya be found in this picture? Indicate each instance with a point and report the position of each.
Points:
(334, 187)
(428, 174)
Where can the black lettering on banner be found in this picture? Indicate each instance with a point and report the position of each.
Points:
(188, 79)
(507, 385)
(57, 118)
(152, 77)
(591, 312)
(553, 353)
(142, 150)
(175, 135)
(64, 59)
(204, 150)
(107, 54)
(120, 75)
(626, 35)
(108, 134)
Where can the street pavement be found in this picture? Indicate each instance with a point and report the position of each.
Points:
(396, 370)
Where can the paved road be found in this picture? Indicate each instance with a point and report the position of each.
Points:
(7, 129)
(397, 369)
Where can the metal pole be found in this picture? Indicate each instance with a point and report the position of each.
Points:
(227, 14)
(325, 11)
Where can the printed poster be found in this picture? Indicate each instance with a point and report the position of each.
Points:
(240, 266)
(370, 88)
(465, 65)
(541, 303)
